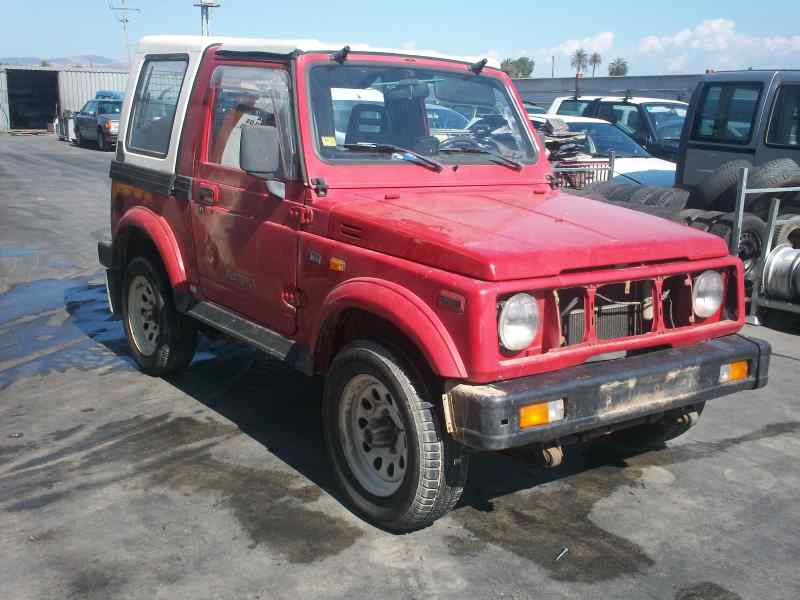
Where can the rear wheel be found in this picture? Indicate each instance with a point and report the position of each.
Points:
(394, 462)
(162, 340)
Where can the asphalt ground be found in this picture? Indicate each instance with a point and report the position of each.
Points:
(215, 484)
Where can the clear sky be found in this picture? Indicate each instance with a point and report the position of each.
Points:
(657, 36)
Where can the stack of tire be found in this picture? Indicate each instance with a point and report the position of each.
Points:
(710, 206)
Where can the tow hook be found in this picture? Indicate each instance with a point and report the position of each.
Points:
(553, 456)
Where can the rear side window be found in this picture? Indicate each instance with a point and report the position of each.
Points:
(154, 105)
(784, 126)
(727, 113)
(572, 107)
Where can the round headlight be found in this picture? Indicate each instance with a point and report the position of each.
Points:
(707, 294)
(518, 322)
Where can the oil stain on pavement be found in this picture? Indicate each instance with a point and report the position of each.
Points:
(173, 453)
(536, 521)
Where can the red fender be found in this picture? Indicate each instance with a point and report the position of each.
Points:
(404, 310)
(160, 233)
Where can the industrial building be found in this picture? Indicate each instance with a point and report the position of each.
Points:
(32, 97)
(543, 90)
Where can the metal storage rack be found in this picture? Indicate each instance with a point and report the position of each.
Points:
(757, 299)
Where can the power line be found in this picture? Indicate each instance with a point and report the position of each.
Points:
(122, 11)
(205, 12)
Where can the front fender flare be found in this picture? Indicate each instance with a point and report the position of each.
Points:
(159, 232)
(402, 308)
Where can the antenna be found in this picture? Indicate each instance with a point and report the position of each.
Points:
(122, 11)
(205, 12)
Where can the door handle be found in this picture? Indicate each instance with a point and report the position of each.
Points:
(206, 196)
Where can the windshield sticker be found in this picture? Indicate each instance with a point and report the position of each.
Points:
(328, 140)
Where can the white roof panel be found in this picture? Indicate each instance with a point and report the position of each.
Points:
(196, 43)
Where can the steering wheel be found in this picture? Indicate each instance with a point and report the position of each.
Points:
(460, 143)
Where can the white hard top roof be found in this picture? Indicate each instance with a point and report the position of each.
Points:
(566, 118)
(630, 99)
(195, 43)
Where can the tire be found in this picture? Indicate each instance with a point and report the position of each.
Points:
(609, 190)
(783, 172)
(675, 199)
(172, 346)
(623, 192)
(719, 189)
(787, 231)
(646, 196)
(751, 247)
(434, 467)
(655, 435)
(102, 144)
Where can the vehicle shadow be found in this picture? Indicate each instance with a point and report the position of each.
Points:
(279, 408)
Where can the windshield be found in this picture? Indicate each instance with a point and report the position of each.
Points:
(458, 118)
(667, 119)
(109, 108)
(602, 138)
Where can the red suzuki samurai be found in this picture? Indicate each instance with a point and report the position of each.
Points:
(386, 219)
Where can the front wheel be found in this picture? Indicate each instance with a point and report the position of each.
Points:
(102, 144)
(394, 462)
(162, 340)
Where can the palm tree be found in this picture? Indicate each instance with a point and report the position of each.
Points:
(579, 60)
(595, 60)
(618, 67)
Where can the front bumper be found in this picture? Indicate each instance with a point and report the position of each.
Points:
(602, 396)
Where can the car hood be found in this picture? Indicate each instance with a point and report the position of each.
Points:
(504, 235)
(109, 117)
(646, 171)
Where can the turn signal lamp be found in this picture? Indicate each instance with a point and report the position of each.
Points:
(541, 414)
(735, 371)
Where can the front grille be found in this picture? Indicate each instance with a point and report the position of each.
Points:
(613, 321)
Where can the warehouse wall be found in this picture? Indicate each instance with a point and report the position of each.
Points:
(544, 90)
(75, 88)
(4, 116)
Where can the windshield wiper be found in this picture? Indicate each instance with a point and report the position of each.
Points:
(498, 158)
(421, 159)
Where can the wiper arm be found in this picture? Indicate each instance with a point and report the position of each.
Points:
(391, 148)
(498, 158)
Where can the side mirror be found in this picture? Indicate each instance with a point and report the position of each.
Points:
(260, 151)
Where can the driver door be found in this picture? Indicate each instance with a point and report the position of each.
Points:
(246, 239)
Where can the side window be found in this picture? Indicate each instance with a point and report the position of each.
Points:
(90, 108)
(784, 126)
(572, 107)
(727, 113)
(248, 96)
(154, 105)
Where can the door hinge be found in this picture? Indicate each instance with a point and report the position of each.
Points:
(302, 214)
(293, 297)
(320, 186)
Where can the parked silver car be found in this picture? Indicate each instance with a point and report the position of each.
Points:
(98, 121)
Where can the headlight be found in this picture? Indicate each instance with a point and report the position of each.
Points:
(707, 294)
(518, 322)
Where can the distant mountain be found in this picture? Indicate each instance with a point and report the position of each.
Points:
(83, 60)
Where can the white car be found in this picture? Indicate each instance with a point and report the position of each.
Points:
(654, 123)
(632, 163)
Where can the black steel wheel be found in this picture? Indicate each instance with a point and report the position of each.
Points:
(162, 341)
(392, 458)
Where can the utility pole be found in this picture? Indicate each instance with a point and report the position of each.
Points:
(122, 11)
(205, 12)
(553, 68)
